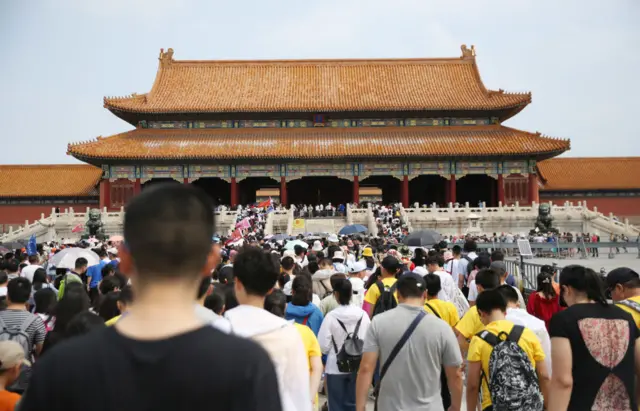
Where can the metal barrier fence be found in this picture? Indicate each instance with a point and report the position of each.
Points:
(527, 272)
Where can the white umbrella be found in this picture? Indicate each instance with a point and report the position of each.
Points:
(291, 244)
(67, 258)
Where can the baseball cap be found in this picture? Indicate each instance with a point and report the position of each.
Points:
(11, 354)
(358, 266)
(412, 277)
(621, 275)
(333, 238)
(113, 251)
(390, 263)
(499, 267)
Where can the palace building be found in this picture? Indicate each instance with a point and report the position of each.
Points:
(309, 131)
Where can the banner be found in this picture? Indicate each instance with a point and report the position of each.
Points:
(298, 223)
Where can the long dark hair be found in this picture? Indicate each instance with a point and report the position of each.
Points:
(39, 278)
(373, 278)
(276, 303)
(585, 280)
(545, 285)
(343, 291)
(302, 291)
(74, 301)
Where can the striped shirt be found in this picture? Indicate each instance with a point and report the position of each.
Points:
(36, 330)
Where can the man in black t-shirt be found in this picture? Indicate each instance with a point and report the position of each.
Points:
(159, 356)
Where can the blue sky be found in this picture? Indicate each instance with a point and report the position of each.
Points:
(580, 59)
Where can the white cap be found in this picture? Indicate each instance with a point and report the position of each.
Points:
(338, 255)
(420, 271)
(333, 238)
(317, 246)
(112, 250)
(358, 266)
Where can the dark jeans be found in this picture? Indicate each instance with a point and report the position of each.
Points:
(341, 391)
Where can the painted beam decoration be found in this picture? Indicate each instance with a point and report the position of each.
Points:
(381, 169)
(319, 170)
(340, 123)
(151, 172)
(262, 170)
(126, 172)
(441, 168)
(203, 171)
(476, 167)
(514, 167)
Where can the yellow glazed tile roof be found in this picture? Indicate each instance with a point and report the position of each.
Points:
(585, 173)
(317, 143)
(219, 86)
(48, 180)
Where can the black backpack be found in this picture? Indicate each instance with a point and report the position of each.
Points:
(512, 380)
(386, 301)
(350, 355)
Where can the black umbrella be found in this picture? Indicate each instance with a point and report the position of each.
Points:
(422, 238)
(12, 245)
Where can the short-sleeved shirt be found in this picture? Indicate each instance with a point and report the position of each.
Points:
(470, 323)
(635, 314)
(602, 340)
(8, 400)
(445, 309)
(480, 351)
(311, 345)
(374, 292)
(417, 367)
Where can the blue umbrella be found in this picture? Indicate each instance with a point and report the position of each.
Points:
(353, 229)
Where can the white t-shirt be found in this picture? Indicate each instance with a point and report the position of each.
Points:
(29, 271)
(522, 317)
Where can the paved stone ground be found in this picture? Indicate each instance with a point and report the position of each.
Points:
(323, 398)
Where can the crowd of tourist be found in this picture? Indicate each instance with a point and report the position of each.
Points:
(175, 318)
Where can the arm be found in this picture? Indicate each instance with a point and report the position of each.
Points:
(562, 378)
(365, 374)
(637, 361)
(454, 382)
(462, 341)
(315, 376)
(544, 380)
(474, 374)
(324, 335)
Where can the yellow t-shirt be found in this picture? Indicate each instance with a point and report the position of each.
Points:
(480, 350)
(446, 310)
(374, 292)
(311, 344)
(634, 313)
(470, 323)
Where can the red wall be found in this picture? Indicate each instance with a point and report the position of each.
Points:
(620, 206)
(17, 214)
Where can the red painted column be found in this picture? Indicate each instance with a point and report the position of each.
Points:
(452, 189)
(356, 189)
(405, 191)
(234, 192)
(283, 191)
(105, 194)
(533, 188)
(501, 189)
(137, 187)
(185, 181)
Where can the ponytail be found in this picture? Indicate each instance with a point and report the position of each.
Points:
(545, 285)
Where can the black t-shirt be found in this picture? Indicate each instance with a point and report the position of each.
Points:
(602, 344)
(204, 369)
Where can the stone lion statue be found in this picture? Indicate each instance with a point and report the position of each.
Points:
(94, 225)
(544, 221)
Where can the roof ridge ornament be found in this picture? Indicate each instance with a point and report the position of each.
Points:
(468, 53)
(166, 58)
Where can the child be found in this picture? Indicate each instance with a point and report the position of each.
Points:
(11, 360)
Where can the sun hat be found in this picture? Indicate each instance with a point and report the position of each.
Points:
(367, 252)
